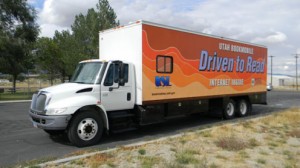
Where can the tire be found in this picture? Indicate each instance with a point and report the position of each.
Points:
(85, 129)
(243, 108)
(229, 109)
(55, 132)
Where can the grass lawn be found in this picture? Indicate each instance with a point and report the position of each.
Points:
(15, 96)
(24, 90)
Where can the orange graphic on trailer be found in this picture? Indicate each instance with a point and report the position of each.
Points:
(183, 65)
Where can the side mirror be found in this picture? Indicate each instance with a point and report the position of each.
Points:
(121, 82)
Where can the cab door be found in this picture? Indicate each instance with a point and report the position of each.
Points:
(116, 95)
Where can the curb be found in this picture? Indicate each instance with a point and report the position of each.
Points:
(15, 101)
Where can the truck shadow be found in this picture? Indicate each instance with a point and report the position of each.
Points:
(176, 126)
(61, 139)
(169, 128)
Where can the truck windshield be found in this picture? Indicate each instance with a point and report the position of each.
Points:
(87, 73)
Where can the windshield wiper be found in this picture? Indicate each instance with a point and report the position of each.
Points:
(78, 82)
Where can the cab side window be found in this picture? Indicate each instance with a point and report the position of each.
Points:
(112, 75)
(109, 76)
(126, 73)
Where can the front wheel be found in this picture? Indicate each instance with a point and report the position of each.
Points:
(85, 129)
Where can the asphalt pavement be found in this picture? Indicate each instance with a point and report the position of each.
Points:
(20, 142)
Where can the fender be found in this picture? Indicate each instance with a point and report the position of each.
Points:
(75, 103)
(104, 116)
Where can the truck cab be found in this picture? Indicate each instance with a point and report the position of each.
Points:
(80, 107)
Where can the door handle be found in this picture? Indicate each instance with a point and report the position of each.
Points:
(128, 96)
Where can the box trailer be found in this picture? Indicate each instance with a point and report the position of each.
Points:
(148, 73)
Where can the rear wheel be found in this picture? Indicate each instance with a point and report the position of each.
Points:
(85, 129)
(229, 109)
(243, 108)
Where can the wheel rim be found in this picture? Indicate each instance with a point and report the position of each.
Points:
(87, 129)
(243, 107)
(230, 109)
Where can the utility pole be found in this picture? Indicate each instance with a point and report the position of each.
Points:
(296, 56)
(271, 56)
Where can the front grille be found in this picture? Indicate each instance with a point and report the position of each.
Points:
(39, 102)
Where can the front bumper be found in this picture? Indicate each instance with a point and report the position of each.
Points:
(57, 122)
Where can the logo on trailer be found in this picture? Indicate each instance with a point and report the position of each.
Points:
(162, 81)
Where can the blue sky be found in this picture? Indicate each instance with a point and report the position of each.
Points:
(273, 23)
(38, 4)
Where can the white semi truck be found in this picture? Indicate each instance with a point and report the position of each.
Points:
(148, 73)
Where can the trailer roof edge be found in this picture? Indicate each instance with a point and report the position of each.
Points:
(198, 33)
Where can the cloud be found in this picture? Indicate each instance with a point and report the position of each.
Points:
(290, 62)
(277, 37)
(270, 23)
(61, 14)
(159, 11)
(48, 30)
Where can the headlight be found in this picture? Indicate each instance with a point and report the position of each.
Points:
(54, 111)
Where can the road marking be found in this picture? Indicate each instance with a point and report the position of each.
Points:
(15, 101)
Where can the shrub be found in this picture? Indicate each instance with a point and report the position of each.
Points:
(142, 151)
(295, 133)
(231, 143)
(186, 157)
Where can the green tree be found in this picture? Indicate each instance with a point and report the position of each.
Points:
(66, 49)
(69, 49)
(48, 57)
(107, 15)
(18, 32)
(86, 28)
